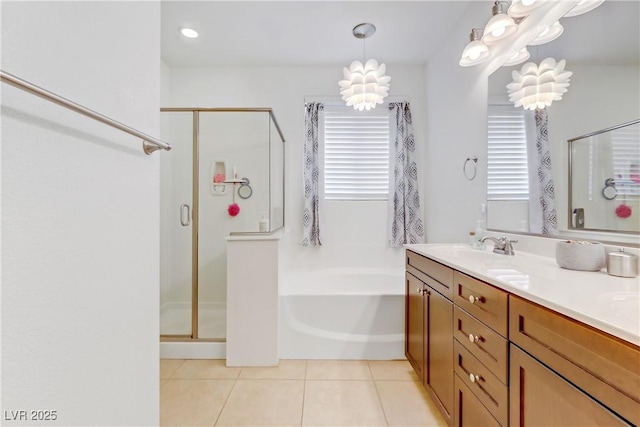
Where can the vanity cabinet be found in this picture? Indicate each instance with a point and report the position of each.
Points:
(506, 361)
(429, 328)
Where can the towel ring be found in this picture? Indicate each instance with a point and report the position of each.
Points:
(245, 191)
(610, 191)
(470, 172)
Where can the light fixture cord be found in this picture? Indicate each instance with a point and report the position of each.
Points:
(364, 50)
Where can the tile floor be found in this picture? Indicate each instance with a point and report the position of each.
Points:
(296, 393)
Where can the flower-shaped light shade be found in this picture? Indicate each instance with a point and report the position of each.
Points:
(475, 52)
(523, 8)
(538, 86)
(583, 7)
(364, 86)
(500, 25)
(518, 57)
(548, 33)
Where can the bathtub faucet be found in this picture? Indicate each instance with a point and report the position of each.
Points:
(501, 245)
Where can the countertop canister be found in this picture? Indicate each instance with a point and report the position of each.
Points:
(622, 264)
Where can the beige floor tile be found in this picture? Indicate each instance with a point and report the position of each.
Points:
(206, 369)
(264, 403)
(162, 382)
(392, 370)
(193, 402)
(338, 370)
(342, 403)
(168, 367)
(286, 370)
(406, 403)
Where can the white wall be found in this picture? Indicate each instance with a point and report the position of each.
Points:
(80, 214)
(456, 124)
(354, 233)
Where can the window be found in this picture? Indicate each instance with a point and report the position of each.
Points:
(356, 154)
(507, 168)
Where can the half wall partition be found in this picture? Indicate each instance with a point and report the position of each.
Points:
(225, 175)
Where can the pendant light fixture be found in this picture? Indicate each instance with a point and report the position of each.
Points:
(538, 86)
(475, 52)
(500, 26)
(365, 85)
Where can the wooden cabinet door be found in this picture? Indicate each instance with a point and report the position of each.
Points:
(438, 375)
(414, 324)
(539, 397)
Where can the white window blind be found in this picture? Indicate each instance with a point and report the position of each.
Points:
(356, 154)
(507, 166)
(626, 160)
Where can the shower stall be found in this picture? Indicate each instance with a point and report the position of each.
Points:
(223, 176)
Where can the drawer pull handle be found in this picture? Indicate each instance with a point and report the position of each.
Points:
(474, 299)
(474, 378)
(474, 338)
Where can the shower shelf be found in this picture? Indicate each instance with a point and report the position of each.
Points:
(218, 168)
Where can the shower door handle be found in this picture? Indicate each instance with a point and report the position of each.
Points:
(185, 212)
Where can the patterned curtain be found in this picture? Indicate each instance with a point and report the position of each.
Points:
(542, 205)
(406, 223)
(310, 174)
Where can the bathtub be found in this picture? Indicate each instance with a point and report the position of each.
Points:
(342, 314)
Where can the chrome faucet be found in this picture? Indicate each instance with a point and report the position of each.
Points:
(501, 245)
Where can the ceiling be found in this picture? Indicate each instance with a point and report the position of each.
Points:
(303, 33)
(298, 33)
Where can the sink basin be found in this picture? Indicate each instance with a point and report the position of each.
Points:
(459, 250)
(507, 268)
(468, 253)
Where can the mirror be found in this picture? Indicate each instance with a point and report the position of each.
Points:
(602, 50)
(604, 180)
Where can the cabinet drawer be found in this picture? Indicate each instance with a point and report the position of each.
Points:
(481, 300)
(469, 412)
(434, 274)
(485, 386)
(603, 366)
(483, 342)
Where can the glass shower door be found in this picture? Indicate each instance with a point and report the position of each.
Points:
(176, 224)
(228, 141)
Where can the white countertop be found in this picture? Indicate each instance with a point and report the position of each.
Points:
(608, 303)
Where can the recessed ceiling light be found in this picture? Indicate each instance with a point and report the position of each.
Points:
(189, 32)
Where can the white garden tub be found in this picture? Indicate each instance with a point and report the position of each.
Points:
(342, 314)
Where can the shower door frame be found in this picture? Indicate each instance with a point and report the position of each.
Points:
(196, 206)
